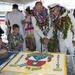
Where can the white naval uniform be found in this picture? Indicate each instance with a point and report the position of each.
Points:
(6, 20)
(38, 33)
(73, 23)
(66, 44)
(16, 17)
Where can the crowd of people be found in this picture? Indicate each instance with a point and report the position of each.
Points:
(41, 29)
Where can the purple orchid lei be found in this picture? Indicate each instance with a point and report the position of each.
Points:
(40, 18)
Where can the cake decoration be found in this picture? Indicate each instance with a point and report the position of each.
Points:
(57, 64)
(36, 63)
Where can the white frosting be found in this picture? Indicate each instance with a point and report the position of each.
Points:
(46, 69)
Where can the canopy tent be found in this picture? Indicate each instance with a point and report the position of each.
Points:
(18, 1)
(70, 4)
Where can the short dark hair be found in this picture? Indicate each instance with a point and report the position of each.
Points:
(38, 3)
(15, 6)
(28, 10)
(15, 26)
(74, 13)
(1, 31)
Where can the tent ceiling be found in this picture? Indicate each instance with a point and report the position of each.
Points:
(18, 1)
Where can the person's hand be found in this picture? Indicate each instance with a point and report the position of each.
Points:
(19, 44)
(45, 40)
(73, 43)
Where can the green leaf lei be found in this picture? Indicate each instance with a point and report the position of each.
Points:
(45, 24)
(52, 44)
(65, 25)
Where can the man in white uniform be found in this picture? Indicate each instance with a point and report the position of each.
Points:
(40, 15)
(61, 20)
(17, 17)
(66, 44)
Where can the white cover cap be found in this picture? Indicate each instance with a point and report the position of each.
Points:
(53, 5)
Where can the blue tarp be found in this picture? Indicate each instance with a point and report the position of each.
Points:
(2, 60)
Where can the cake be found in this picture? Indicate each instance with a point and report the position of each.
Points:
(35, 63)
(3, 53)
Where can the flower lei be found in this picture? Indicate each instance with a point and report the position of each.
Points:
(62, 23)
(42, 19)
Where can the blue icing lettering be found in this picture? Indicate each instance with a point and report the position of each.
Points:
(22, 65)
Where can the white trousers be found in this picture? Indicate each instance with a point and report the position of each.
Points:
(66, 44)
(38, 44)
(64, 48)
(39, 47)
